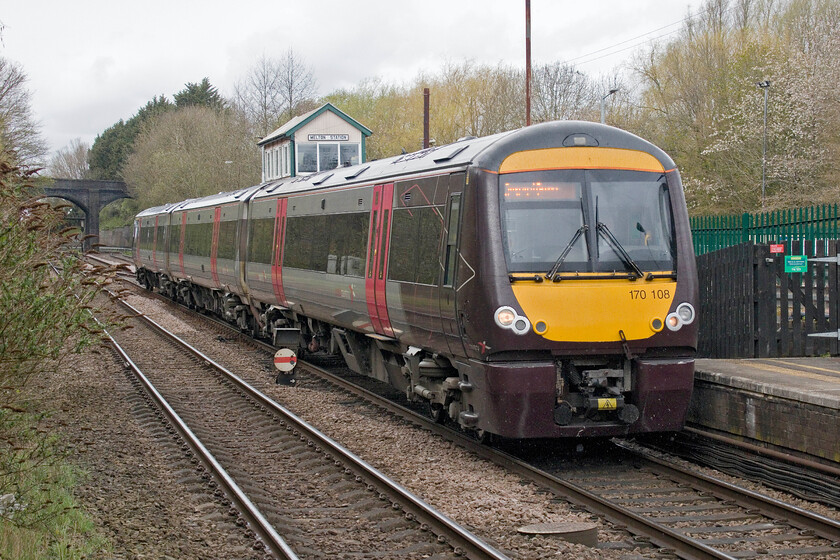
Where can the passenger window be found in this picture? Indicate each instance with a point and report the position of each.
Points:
(452, 240)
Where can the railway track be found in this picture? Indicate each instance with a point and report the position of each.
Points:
(705, 519)
(324, 499)
(695, 515)
(803, 477)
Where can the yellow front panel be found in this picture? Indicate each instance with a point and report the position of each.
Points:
(580, 158)
(595, 310)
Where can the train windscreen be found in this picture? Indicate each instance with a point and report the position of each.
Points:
(601, 220)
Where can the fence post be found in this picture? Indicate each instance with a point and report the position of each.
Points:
(764, 303)
(745, 228)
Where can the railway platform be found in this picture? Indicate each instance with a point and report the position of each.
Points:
(793, 403)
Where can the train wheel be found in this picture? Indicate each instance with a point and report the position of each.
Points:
(436, 412)
(485, 437)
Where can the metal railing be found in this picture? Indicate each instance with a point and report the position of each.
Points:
(711, 233)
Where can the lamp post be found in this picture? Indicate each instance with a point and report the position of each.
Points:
(527, 62)
(765, 85)
(603, 97)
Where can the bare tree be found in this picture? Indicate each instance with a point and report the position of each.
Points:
(561, 92)
(70, 162)
(275, 90)
(19, 134)
(297, 83)
(258, 95)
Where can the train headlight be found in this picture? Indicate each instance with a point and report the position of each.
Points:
(507, 318)
(684, 315)
(521, 325)
(672, 321)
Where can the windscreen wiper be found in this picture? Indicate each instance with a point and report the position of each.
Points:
(613, 242)
(581, 230)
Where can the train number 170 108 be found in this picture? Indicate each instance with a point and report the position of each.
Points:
(654, 293)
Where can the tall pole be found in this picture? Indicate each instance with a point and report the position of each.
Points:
(527, 62)
(764, 153)
(765, 85)
(425, 118)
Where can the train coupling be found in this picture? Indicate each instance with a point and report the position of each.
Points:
(627, 413)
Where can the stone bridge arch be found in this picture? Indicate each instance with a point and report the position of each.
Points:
(90, 196)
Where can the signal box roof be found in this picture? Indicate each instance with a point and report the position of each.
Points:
(288, 130)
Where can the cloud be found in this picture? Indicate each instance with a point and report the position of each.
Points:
(93, 62)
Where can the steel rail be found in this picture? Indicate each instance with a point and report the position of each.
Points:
(821, 526)
(767, 452)
(462, 540)
(683, 546)
(258, 523)
(662, 536)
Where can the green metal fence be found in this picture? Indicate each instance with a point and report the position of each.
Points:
(711, 233)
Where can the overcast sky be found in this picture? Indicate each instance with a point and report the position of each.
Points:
(91, 62)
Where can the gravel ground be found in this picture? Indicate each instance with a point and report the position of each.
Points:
(141, 491)
(477, 494)
(145, 497)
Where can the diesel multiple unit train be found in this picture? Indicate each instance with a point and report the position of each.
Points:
(538, 283)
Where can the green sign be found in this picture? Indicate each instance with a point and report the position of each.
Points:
(796, 263)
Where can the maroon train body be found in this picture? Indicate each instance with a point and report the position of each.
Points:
(535, 283)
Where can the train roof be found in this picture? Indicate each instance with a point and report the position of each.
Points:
(202, 202)
(155, 210)
(239, 195)
(487, 152)
(457, 154)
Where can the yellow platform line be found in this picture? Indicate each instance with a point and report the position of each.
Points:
(788, 371)
(834, 372)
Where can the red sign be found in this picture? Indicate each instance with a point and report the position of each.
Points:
(777, 249)
(285, 360)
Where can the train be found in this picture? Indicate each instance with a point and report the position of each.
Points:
(537, 283)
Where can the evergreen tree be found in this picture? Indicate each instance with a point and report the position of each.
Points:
(201, 94)
(111, 149)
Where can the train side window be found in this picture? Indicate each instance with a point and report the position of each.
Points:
(428, 267)
(259, 240)
(451, 251)
(175, 234)
(403, 265)
(347, 243)
(298, 252)
(227, 240)
(159, 237)
(189, 236)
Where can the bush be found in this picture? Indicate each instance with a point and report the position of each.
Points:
(46, 292)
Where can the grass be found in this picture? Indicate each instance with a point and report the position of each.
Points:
(44, 521)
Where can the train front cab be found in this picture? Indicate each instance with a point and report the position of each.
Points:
(590, 330)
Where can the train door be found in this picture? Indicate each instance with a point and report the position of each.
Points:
(277, 256)
(154, 245)
(165, 242)
(376, 262)
(137, 241)
(450, 256)
(214, 248)
(181, 243)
